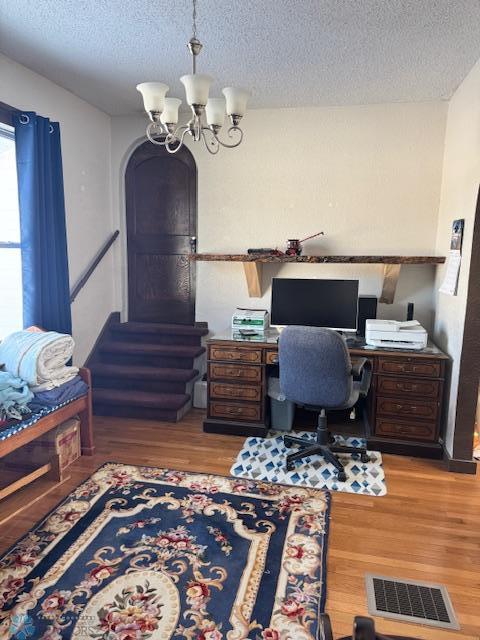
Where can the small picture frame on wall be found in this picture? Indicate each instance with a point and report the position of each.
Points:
(454, 259)
(457, 235)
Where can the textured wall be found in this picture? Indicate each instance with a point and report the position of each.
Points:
(461, 178)
(368, 176)
(85, 135)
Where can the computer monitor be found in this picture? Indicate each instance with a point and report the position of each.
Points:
(316, 303)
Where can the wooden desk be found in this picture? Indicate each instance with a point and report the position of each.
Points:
(404, 406)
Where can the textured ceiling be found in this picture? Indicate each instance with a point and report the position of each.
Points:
(288, 52)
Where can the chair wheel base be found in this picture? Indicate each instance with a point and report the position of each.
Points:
(341, 476)
(365, 458)
(290, 466)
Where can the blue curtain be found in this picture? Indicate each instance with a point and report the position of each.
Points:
(46, 295)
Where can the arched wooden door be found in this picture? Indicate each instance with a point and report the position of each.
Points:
(161, 203)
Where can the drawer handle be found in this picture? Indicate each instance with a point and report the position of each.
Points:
(404, 430)
(234, 410)
(402, 407)
(233, 392)
(406, 386)
(234, 372)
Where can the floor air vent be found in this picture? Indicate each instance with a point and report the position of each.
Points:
(410, 601)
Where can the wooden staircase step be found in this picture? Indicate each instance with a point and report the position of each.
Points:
(140, 404)
(170, 356)
(139, 372)
(141, 398)
(147, 349)
(153, 328)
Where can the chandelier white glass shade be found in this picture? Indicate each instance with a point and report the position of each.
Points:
(208, 114)
(170, 111)
(153, 96)
(197, 86)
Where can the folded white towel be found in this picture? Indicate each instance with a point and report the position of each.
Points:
(39, 358)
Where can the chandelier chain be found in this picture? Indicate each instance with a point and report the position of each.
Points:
(194, 18)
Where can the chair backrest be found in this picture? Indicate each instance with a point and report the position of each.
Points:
(315, 367)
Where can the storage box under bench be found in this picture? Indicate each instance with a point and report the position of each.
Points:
(43, 447)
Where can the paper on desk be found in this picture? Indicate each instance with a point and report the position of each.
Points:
(450, 281)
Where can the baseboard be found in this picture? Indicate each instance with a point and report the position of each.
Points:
(210, 425)
(113, 318)
(415, 449)
(457, 465)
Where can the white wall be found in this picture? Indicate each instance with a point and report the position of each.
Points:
(460, 182)
(85, 133)
(369, 176)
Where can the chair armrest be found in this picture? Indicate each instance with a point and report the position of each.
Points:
(357, 366)
(362, 371)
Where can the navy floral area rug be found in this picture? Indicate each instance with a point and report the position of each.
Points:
(137, 553)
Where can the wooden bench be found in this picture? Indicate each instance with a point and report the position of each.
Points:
(13, 480)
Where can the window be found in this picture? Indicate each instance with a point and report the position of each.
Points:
(11, 302)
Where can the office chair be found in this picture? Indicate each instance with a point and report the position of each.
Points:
(316, 372)
(363, 629)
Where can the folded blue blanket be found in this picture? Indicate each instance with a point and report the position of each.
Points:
(14, 396)
(12, 428)
(53, 397)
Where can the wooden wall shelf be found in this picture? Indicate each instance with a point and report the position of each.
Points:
(252, 265)
(248, 257)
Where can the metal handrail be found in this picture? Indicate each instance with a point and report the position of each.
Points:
(81, 282)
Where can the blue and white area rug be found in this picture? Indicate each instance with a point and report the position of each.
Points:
(263, 459)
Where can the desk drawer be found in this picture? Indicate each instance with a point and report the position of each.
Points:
(416, 366)
(235, 391)
(236, 354)
(409, 408)
(217, 371)
(387, 385)
(271, 357)
(248, 412)
(405, 430)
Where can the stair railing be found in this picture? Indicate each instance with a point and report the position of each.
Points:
(82, 281)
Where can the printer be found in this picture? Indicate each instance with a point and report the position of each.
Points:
(392, 334)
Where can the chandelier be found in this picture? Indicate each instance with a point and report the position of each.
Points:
(208, 114)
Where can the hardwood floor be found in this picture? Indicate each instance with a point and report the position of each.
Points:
(426, 528)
